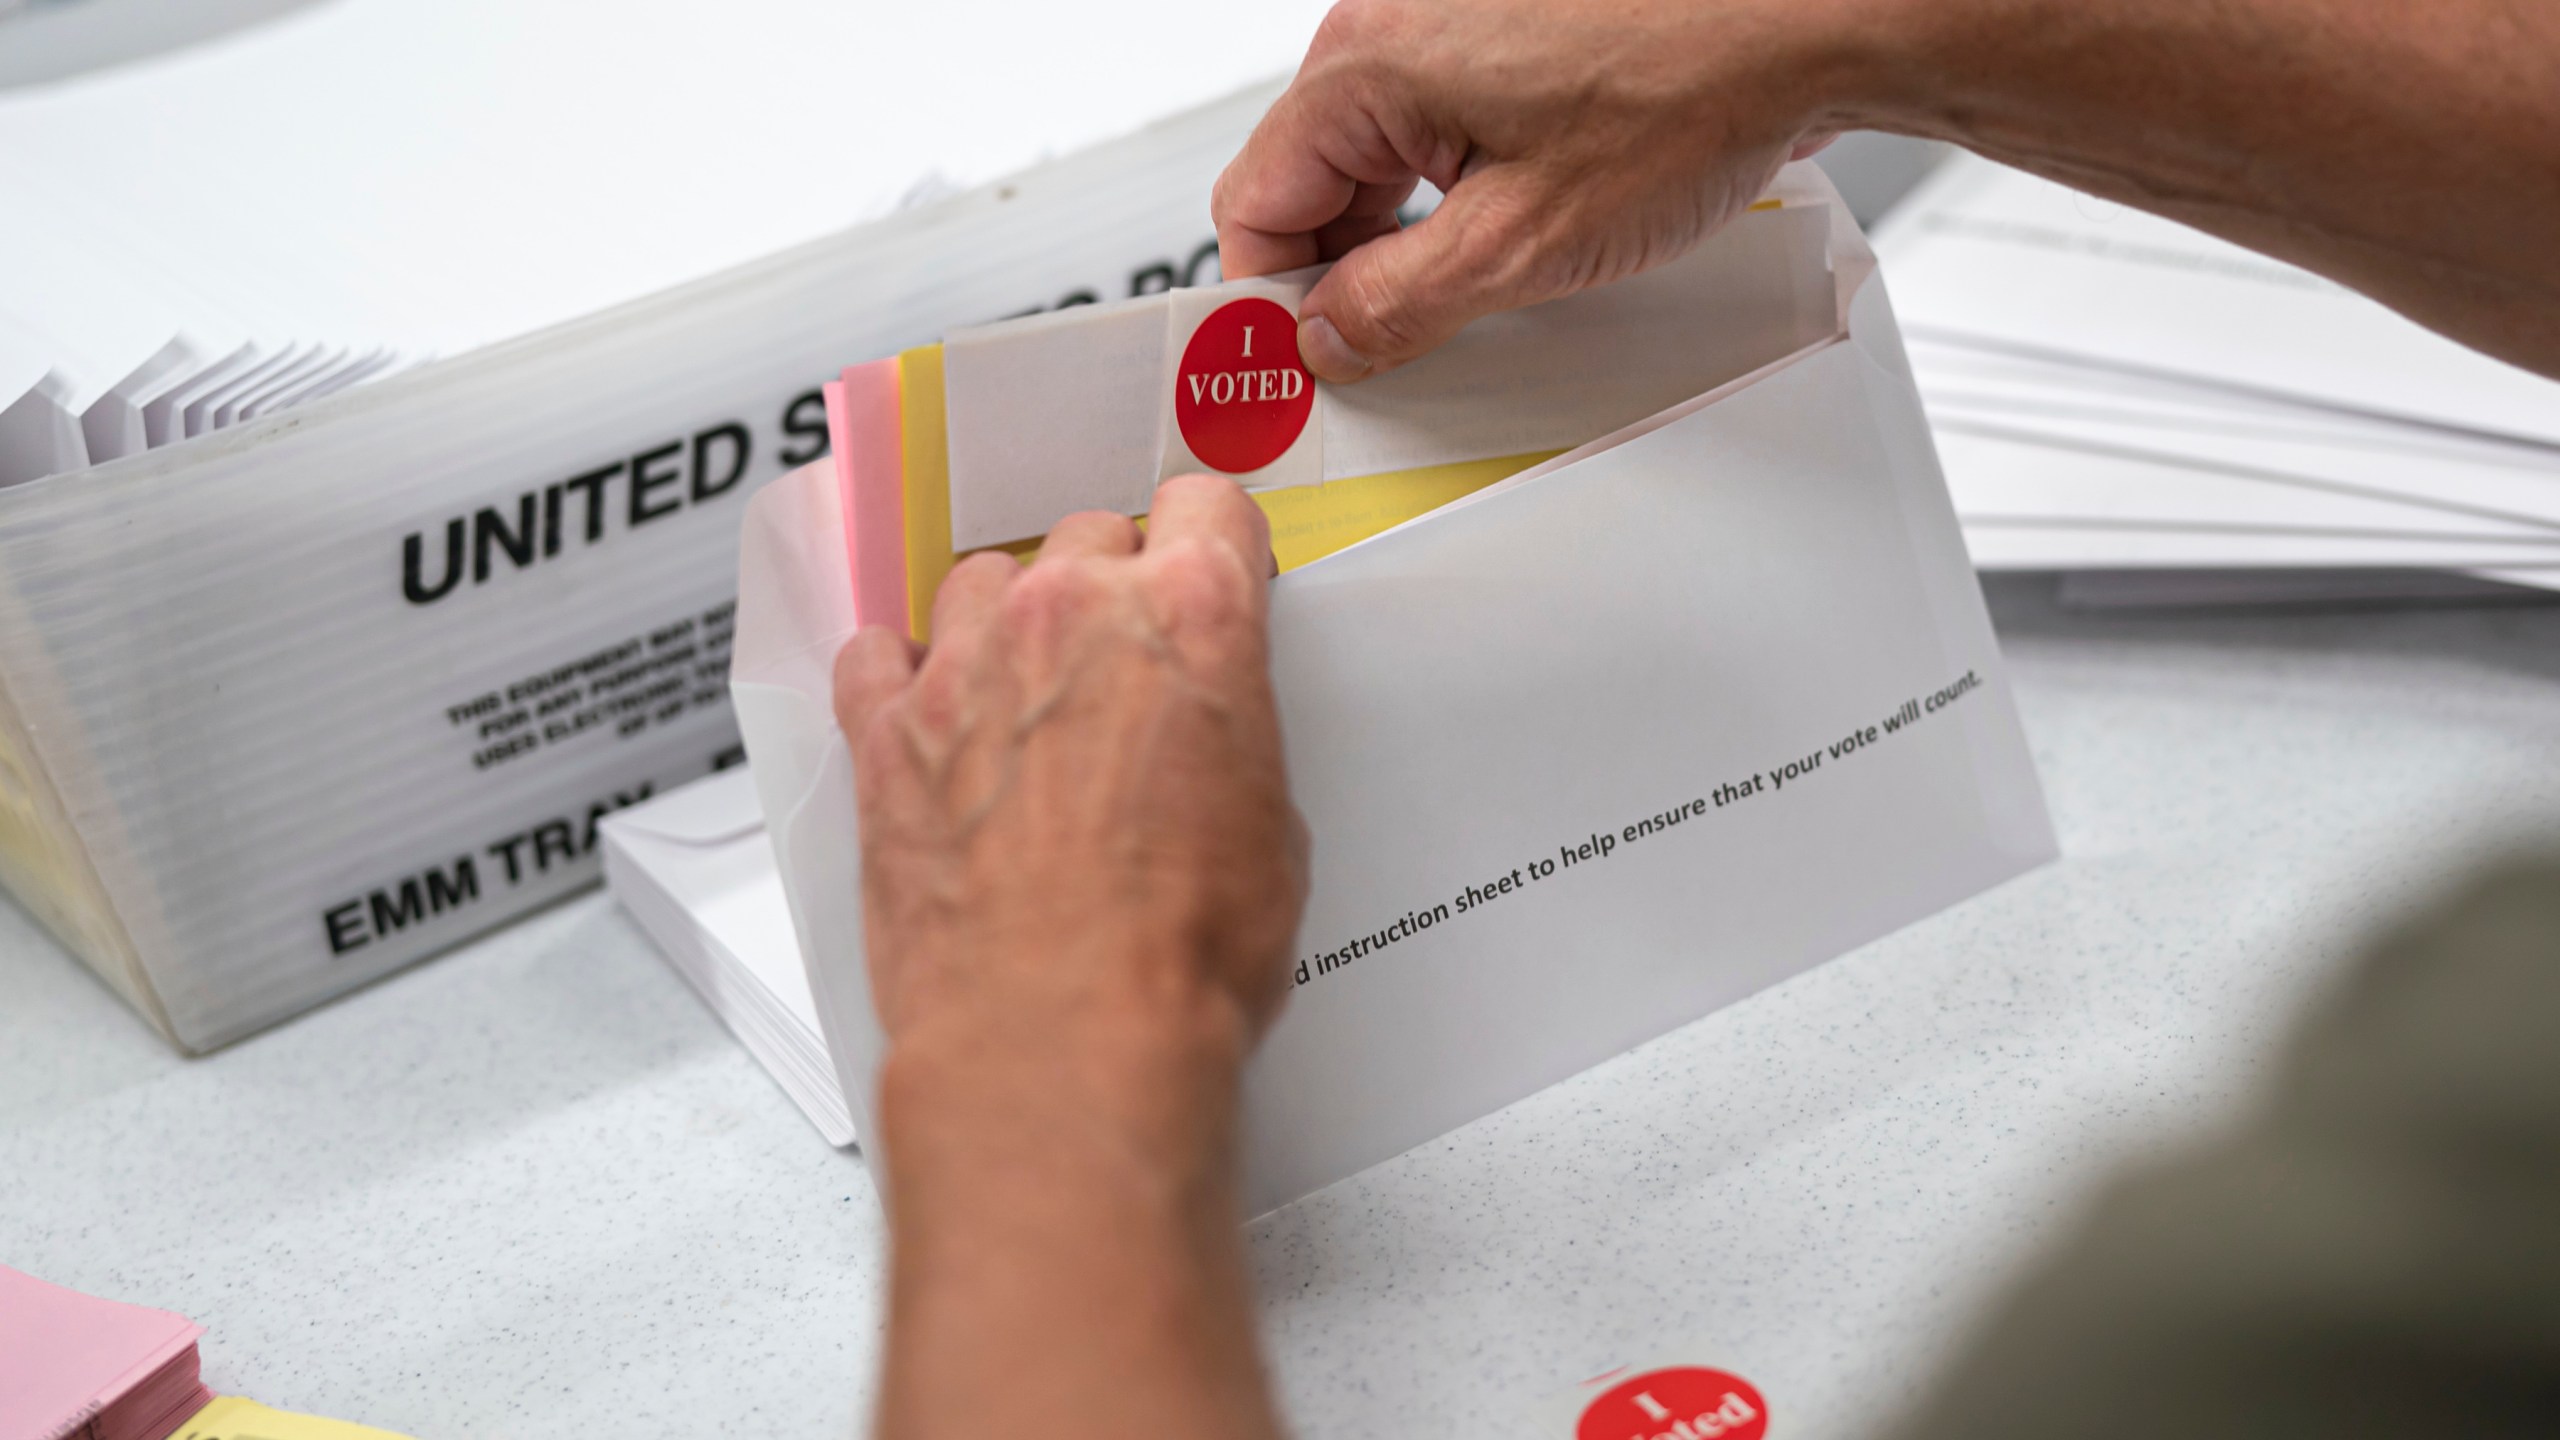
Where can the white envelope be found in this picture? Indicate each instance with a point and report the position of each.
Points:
(693, 868)
(2001, 544)
(2148, 589)
(1633, 642)
(2016, 467)
(39, 432)
(2077, 407)
(1991, 256)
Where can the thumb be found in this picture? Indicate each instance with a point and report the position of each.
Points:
(1401, 295)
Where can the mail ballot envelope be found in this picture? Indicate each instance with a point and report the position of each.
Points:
(1628, 655)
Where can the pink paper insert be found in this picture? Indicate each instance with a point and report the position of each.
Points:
(865, 427)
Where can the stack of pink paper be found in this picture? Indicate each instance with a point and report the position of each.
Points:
(72, 1365)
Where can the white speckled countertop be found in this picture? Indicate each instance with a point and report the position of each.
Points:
(532, 1189)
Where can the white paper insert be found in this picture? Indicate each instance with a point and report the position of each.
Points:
(1074, 411)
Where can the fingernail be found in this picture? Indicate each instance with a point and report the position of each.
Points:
(1327, 354)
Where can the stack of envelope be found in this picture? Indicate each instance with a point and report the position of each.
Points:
(2165, 415)
(694, 869)
(76, 1365)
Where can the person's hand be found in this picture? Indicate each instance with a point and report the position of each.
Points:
(1577, 141)
(1081, 878)
(1077, 841)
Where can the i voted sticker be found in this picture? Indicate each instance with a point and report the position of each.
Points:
(1680, 1402)
(1241, 397)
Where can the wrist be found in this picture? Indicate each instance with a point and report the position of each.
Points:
(1096, 1092)
(1064, 1209)
(1902, 66)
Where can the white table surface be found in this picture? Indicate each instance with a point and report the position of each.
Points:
(533, 1189)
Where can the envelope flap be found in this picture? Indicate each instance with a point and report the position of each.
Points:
(789, 739)
(712, 811)
(1855, 295)
(1086, 409)
(795, 582)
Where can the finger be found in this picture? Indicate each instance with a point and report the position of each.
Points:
(1090, 533)
(1350, 233)
(1370, 215)
(1269, 202)
(1244, 252)
(1401, 295)
(1271, 199)
(970, 596)
(1322, 153)
(1213, 510)
(874, 668)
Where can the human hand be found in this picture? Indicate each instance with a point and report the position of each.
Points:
(1577, 142)
(1077, 840)
(1081, 878)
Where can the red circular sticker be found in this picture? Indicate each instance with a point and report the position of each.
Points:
(1685, 1402)
(1241, 396)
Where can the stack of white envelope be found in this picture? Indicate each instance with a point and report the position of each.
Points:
(695, 870)
(368, 183)
(2170, 416)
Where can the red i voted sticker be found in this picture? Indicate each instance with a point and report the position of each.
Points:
(1683, 1402)
(1241, 396)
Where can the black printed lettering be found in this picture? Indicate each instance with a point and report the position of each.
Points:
(732, 437)
(454, 890)
(505, 851)
(644, 481)
(411, 900)
(553, 840)
(412, 558)
(399, 909)
(591, 485)
(805, 421)
(1206, 255)
(551, 520)
(489, 527)
(345, 924)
